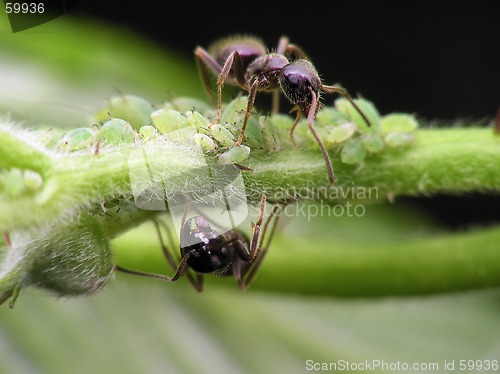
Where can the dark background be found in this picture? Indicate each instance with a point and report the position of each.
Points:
(437, 59)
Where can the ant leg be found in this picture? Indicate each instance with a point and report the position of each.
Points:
(254, 242)
(168, 256)
(276, 102)
(287, 49)
(174, 278)
(294, 125)
(310, 122)
(282, 45)
(6, 237)
(233, 58)
(343, 92)
(244, 254)
(204, 60)
(252, 92)
(195, 279)
(143, 274)
(262, 254)
(178, 269)
(170, 259)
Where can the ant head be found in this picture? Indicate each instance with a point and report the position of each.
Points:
(211, 257)
(297, 79)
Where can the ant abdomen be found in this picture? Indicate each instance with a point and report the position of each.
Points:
(249, 48)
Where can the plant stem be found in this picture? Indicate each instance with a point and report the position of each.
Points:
(445, 161)
(450, 161)
(445, 263)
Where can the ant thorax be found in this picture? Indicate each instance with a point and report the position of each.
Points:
(267, 69)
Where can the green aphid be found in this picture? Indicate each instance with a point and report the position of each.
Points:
(168, 120)
(282, 124)
(135, 110)
(183, 135)
(233, 117)
(271, 139)
(369, 110)
(197, 120)
(222, 135)
(353, 151)
(147, 132)
(398, 139)
(341, 133)
(373, 143)
(399, 129)
(254, 136)
(398, 122)
(77, 139)
(329, 116)
(234, 112)
(205, 142)
(117, 131)
(185, 104)
(234, 155)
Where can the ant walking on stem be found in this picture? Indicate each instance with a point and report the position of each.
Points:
(245, 62)
(203, 251)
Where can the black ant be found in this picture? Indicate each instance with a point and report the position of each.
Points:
(245, 62)
(205, 252)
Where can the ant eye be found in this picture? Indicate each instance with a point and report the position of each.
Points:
(296, 80)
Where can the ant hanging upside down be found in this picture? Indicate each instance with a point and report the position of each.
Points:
(245, 62)
(203, 251)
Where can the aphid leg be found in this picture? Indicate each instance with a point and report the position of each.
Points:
(343, 92)
(310, 122)
(252, 92)
(263, 248)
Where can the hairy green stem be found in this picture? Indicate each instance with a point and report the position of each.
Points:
(450, 161)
